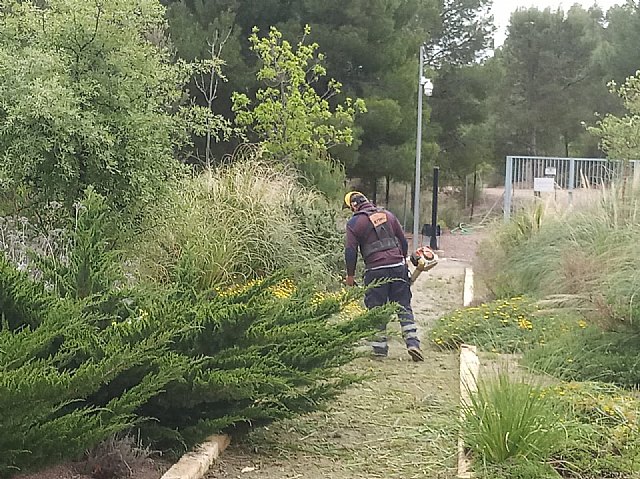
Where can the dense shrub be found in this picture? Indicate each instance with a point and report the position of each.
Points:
(54, 355)
(87, 350)
(87, 102)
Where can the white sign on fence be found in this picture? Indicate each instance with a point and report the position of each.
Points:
(544, 185)
(550, 171)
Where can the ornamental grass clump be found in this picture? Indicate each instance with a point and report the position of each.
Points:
(584, 260)
(508, 418)
(517, 429)
(589, 354)
(241, 222)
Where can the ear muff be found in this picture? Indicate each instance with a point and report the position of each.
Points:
(348, 196)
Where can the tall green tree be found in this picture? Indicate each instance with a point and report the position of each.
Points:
(551, 78)
(371, 47)
(622, 35)
(295, 124)
(463, 34)
(461, 112)
(620, 134)
(206, 32)
(455, 33)
(87, 94)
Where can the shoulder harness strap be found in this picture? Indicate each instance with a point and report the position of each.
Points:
(386, 238)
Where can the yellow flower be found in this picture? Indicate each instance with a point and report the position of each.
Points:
(525, 324)
(283, 290)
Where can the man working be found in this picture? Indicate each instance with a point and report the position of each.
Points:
(383, 246)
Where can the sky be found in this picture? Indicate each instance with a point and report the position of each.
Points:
(502, 10)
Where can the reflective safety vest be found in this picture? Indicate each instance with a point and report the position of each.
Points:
(386, 238)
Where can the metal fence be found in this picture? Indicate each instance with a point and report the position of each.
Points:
(534, 176)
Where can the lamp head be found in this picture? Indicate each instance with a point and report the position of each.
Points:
(427, 87)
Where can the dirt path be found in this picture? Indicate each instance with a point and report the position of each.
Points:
(400, 423)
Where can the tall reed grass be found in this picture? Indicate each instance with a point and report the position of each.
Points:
(585, 259)
(242, 221)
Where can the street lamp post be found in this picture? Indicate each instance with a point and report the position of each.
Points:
(425, 87)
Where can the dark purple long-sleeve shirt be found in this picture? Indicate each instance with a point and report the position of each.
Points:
(360, 231)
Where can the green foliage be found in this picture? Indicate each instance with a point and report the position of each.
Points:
(53, 360)
(325, 175)
(294, 123)
(90, 261)
(589, 354)
(623, 21)
(509, 418)
(243, 221)
(461, 115)
(505, 326)
(550, 83)
(263, 357)
(603, 439)
(20, 300)
(590, 430)
(582, 261)
(179, 360)
(582, 265)
(374, 55)
(86, 96)
(450, 210)
(618, 134)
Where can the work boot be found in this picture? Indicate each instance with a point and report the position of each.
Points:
(415, 353)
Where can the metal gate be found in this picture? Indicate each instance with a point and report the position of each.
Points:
(531, 177)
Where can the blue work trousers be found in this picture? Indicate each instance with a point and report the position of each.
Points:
(398, 290)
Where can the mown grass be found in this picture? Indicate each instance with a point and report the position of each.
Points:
(401, 422)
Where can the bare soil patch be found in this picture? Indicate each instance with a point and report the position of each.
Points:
(150, 468)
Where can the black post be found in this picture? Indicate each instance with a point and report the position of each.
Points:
(473, 195)
(433, 244)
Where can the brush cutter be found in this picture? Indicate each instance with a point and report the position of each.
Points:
(423, 259)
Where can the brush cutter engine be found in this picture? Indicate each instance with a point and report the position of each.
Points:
(424, 259)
